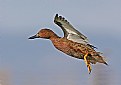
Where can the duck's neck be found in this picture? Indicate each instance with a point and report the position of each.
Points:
(54, 36)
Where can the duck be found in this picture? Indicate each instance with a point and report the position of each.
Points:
(74, 43)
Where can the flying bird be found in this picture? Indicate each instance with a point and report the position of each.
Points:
(73, 43)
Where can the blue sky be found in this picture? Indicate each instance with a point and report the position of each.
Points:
(28, 62)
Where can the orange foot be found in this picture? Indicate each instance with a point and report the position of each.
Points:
(87, 63)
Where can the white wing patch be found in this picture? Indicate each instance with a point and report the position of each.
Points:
(76, 38)
(70, 31)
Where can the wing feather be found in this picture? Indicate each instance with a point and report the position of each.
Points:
(68, 28)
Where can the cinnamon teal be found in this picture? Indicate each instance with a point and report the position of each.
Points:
(73, 43)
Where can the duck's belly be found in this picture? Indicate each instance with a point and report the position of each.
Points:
(67, 49)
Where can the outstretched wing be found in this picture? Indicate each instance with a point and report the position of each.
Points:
(69, 31)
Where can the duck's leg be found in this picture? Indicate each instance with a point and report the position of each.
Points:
(87, 63)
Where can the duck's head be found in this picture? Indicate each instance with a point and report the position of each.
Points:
(44, 33)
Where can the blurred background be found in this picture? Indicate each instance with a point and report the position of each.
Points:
(37, 62)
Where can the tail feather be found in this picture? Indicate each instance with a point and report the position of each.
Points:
(99, 59)
(106, 63)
